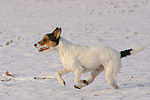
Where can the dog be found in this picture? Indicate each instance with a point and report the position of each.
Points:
(81, 59)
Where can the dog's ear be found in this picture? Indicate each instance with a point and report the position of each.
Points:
(57, 32)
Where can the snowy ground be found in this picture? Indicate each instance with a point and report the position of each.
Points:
(119, 24)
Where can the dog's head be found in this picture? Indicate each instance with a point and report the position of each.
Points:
(49, 41)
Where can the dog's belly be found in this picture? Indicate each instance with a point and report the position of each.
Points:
(84, 67)
(89, 65)
(83, 64)
(88, 69)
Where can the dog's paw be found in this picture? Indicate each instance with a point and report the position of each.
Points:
(115, 87)
(82, 84)
(62, 82)
(77, 87)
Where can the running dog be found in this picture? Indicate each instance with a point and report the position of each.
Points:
(81, 59)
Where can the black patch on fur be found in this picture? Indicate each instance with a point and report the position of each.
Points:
(125, 53)
(85, 82)
(53, 38)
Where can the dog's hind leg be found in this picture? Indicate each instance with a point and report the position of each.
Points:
(110, 74)
(93, 75)
(59, 76)
(112, 82)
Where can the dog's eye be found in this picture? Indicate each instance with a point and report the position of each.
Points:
(45, 40)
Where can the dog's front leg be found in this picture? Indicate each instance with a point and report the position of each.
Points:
(78, 81)
(59, 76)
(77, 77)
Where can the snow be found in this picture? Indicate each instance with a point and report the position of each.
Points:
(119, 24)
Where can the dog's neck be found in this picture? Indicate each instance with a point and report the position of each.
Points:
(65, 46)
(63, 41)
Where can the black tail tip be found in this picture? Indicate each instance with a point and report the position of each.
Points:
(125, 53)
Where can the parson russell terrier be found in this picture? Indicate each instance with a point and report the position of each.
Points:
(81, 59)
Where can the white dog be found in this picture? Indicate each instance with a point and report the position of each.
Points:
(81, 59)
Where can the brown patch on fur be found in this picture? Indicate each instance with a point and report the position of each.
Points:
(50, 43)
(46, 41)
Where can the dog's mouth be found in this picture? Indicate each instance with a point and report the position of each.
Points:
(43, 49)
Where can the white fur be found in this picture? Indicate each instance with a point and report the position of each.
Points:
(136, 50)
(80, 59)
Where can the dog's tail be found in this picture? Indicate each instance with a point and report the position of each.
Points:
(128, 52)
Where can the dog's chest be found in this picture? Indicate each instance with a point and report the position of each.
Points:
(68, 58)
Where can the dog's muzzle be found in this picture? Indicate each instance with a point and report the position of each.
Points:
(41, 48)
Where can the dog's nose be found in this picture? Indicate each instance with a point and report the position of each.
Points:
(35, 45)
